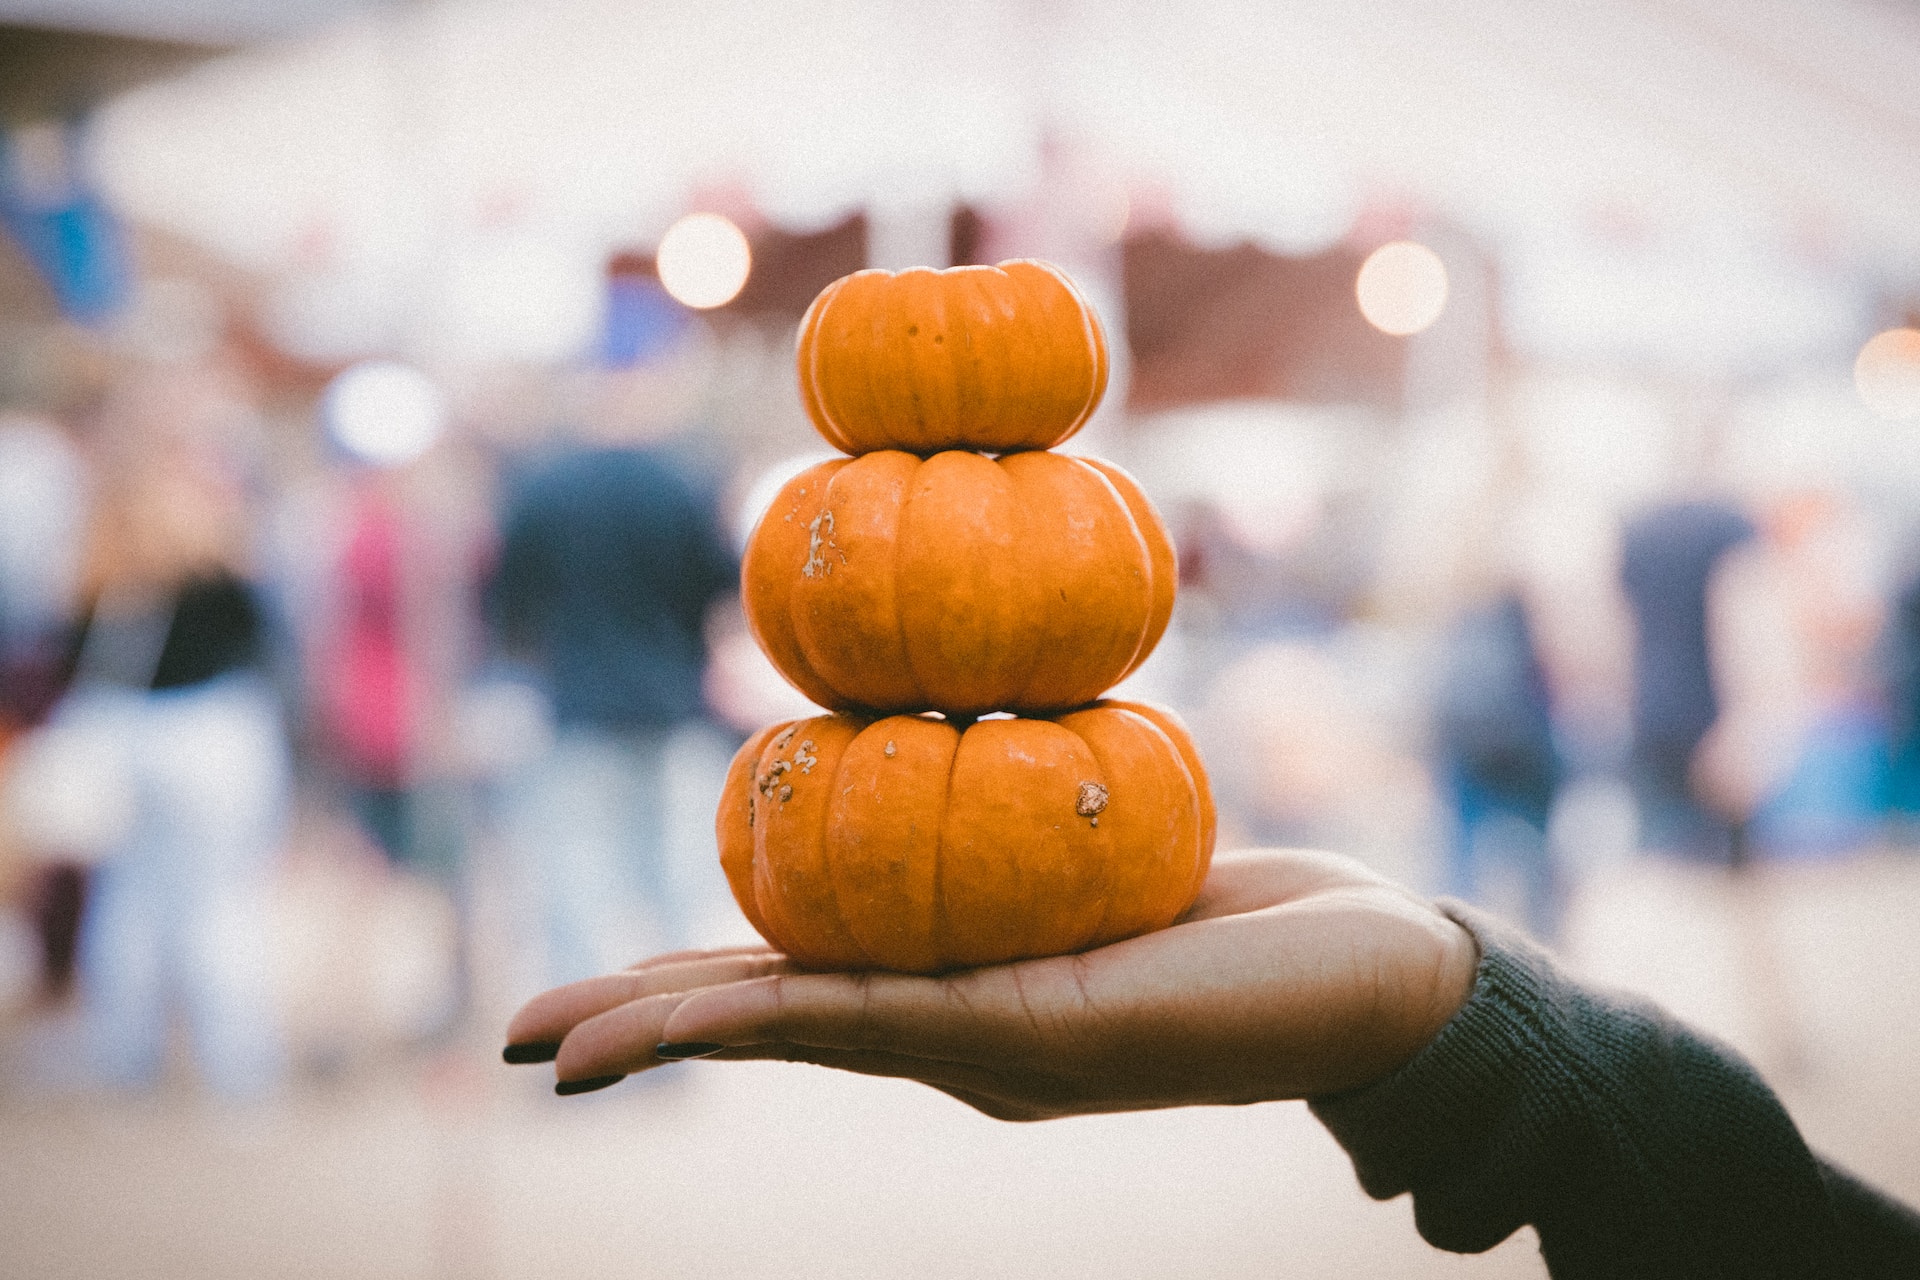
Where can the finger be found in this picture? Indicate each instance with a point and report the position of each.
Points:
(618, 1042)
(549, 1016)
(976, 1017)
(622, 1042)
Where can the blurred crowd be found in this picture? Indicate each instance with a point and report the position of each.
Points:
(338, 707)
(1544, 680)
(261, 719)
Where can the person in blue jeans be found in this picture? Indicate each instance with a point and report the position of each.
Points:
(1497, 757)
(176, 917)
(609, 560)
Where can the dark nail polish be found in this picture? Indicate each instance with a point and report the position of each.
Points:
(686, 1049)
(567, 1088)
(519, 1055)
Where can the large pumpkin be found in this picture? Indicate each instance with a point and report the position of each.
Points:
(991, 358)
(917, 844)
(960, 583)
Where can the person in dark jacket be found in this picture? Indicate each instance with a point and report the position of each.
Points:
(1499, 763)
(1667, 564)
(609, 560)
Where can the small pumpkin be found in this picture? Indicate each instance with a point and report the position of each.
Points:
(990, 358)
(958, 583)
(919, 844)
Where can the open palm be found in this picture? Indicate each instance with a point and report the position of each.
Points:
(1295, 974)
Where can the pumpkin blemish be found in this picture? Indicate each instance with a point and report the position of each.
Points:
(819, 542)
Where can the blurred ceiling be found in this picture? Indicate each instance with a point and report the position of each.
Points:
(46, 73)
(188, 21)
(1783, 118)
(59, 57)
(444, 157)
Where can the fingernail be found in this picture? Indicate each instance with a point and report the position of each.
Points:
(519, 1055)
(567, 1088)
(686, 1049)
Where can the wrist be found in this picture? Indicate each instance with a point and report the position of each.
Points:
(1446, 983)
(1455, 974)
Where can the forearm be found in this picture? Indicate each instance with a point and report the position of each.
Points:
(1632, 1144)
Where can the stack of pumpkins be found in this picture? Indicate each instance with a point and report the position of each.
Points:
(961, 598)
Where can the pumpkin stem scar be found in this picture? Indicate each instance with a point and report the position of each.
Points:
(819, 542)
(1091, 800)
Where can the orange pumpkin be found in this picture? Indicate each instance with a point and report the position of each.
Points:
(990, 358)
(960, 583)
(917, 844)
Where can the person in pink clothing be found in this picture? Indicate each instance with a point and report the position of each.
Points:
(364, 684)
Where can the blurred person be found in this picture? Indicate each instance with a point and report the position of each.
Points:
(1668, 558)
(1798, 753)
(1497, 756)
(382, 566)
(380, 562)
(609, 560)
(1531, 695)
(43, 502)
(1791, 761)
(1901, 680)
(366, 685)
(1450, 1057)
(171, 687)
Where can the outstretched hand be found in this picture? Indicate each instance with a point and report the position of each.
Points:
(1295, 974)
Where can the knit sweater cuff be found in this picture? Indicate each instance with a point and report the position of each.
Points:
(1634, 1145)
(1474, 1073)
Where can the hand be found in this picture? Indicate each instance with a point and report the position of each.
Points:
(1295, 974)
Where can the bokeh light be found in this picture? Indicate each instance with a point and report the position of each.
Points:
(1402, 287)
(703, 260)
(384, 412)
(1887, 373)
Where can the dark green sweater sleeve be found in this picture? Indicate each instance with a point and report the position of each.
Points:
(1633, 1145)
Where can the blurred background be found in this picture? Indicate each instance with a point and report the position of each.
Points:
(387, 392)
